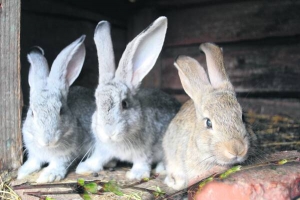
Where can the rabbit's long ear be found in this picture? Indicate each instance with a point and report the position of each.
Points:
(68, 64)
(39, 69)
(105, 52)
(141, 54)
(215, 66)
(192, 75)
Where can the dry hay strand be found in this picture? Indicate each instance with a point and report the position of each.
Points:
(6, 192)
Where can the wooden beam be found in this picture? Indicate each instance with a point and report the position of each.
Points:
(65, 10)
(242, 20)
(173, 4)
(10, 93)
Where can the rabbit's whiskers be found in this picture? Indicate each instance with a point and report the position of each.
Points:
(87, 154)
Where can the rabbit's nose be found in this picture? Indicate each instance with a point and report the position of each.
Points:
(114, 136)
(236, 151)
(48, 142)
(43, 142)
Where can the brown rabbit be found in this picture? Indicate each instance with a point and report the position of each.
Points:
(208, 132)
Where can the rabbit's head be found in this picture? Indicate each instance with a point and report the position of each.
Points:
(220, 133)
(118, 114)
(49, 120)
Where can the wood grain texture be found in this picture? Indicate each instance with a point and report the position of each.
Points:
(267, 66)
(242, 20)
(64, 10)
(10, 93)
(171, 4)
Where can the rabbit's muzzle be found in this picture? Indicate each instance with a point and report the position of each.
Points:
(49, 140)
(233, 151)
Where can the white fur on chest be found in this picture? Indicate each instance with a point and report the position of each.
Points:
(122, 152)
(41, 153)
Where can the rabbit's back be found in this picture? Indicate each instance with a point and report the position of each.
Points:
(81, 102)
(159, 108)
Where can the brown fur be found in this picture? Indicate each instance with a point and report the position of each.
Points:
(190, 146)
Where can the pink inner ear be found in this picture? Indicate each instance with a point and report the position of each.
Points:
(141, 54)
(203, 76)
(186, 84)
(75, 65)
(216, 79)
(72, 74)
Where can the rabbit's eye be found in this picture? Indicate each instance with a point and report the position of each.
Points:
(124, 104)
(243, 118)
(208, 123)
(61, 111)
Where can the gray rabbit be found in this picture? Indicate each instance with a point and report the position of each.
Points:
(57, 126)
(129, 122)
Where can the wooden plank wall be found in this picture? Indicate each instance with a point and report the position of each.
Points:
(10, 92)
(260, 41)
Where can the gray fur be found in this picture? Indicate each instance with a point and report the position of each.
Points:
(57, 126)
(132, 134)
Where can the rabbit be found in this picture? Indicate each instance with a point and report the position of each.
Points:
(208, 132)
(57, 125)
(129, 121)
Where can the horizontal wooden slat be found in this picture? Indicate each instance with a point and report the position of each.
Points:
(10, 91)
(65, 10)
(255, 67)
(242, 20)
(115, 9)
(283, 107)
(167, 4)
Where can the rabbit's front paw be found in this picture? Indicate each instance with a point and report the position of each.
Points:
(50, 175)
(87, 168)
(176, 184)
(160, 168)
(28, 168)
(138, 174)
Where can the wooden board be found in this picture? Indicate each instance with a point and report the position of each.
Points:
(173, 4)
(10, 92)
(239, 20)
(67, 10)
(270, 106)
